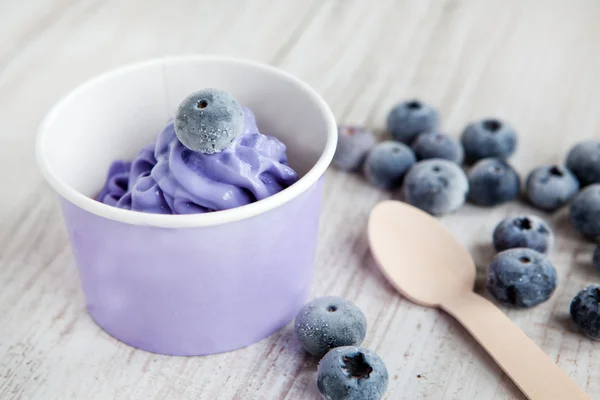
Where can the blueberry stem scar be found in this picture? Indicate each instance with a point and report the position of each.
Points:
(492, 125)
(357, 366)
(523, 223)
(555, 171)
(413, 105)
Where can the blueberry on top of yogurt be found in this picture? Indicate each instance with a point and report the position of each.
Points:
(208, 121)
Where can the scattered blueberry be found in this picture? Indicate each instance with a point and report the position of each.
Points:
(208, 121)
(585, 311)
(352, 373)
(584, 160)
(436, 186)
(584, 213)
(437, 145)
(410, 118)
(387, 163)
(521, 277)
(493, 181)
(551, 187)
(488, 138)
(525, 231)
(354, 142)
(329, 322)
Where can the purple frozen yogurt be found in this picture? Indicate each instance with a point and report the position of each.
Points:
(169, 178)
(201, 283)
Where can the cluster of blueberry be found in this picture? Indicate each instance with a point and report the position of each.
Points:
(332, 329)
(520, 275)
(426, 166)
(426, 163)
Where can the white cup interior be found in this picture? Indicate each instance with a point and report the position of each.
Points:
(112, 116)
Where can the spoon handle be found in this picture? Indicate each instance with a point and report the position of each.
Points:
(538, 377)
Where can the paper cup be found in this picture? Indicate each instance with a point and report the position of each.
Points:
(187, 284)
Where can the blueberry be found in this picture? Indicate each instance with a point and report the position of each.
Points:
(521, 277)
(551, 187)
(492, 181)
(584, 213)
(329, 322)
(208, 121)
(488, 138)
(584, 160)
(436, 145)
(387, 163)
(436, 186)
(525, 231)
(352, 373)
(410, 118)
(585, 311)
(354, 142)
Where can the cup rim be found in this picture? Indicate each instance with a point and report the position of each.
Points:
(188, 220)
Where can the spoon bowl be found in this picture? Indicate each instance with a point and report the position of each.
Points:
(418, 255)
(425, 263)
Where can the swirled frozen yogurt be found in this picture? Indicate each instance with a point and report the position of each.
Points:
(210, 157)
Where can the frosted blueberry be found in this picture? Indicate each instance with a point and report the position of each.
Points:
(407, 120)
(584, 212)
(208, 121)
(551, 187)
(488, 138)
(387, 163)
(585, 311)
(437, 145)
(521, 278)
(354, 142)
(492, 182)
(584, 160)
(524, 231)
(437, 186)
(352, 373)
(329, 322)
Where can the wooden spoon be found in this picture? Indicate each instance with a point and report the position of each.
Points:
(425, 263)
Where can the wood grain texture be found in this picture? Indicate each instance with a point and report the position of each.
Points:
(533, 63)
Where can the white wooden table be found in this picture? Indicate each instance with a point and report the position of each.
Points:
(533, 63)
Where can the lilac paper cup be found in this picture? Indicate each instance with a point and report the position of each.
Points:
(187, 284)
